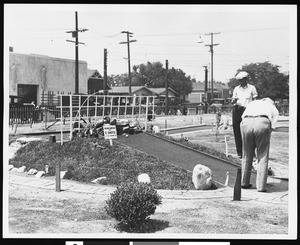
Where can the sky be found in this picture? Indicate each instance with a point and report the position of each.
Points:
(245, 34)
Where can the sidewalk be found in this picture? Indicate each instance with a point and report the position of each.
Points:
(272, 196)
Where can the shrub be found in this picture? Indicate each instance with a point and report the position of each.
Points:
(131, 204)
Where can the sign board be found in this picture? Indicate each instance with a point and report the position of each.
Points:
(110, 131)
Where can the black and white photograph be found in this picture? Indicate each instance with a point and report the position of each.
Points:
(160, 121)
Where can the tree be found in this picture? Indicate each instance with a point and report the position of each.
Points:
(154, 75)
(267, 79)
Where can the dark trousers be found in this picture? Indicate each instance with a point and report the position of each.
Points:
(237, 112)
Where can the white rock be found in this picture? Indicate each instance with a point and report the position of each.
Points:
(21, 169)
(32, 171)
(62, 174)
(202, 177)
(98, 180)
(39, 174)
(10, 167)
(156, 129)
(25, 139)
(14, 170)
(144, 178)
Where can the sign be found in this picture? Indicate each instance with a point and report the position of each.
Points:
(110, 131)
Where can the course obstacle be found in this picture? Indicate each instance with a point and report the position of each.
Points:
(95, 107)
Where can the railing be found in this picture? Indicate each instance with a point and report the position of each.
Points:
(24, 114)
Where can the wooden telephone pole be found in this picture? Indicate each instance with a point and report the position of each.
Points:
(129, 34)
(75, 35)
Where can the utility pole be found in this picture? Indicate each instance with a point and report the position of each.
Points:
(75, 34)
(105, 72)
(167, 90)
(205, 89)
(212, 59)
(129, 34)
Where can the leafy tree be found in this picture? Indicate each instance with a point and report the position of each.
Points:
(267, 79)
(154, 75)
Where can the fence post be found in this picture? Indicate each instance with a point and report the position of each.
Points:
(125, 107)
(111, 105)
(45, 112)
(96, 104)
(61, 121)
(147, 99)
(71, 116)
(79, 108)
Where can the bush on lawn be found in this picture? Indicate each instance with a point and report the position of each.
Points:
(132, 204)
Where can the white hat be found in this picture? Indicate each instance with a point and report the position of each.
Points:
(241, 75)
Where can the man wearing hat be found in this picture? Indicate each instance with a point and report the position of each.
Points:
(243, 94)
(258, 121)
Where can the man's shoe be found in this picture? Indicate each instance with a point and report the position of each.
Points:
(247, 187)
(263, 191)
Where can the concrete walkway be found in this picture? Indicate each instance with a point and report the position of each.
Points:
(273, 195)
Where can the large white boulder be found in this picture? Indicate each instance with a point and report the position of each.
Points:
(21, 169)
(32, 171)
(144, 178)
(202, 177)
(39, 174)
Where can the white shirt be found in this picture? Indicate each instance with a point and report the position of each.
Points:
(244, 95)
(262, 107)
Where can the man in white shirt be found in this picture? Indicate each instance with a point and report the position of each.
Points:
(242, 95)
(258, 121)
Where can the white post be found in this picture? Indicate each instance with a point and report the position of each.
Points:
(61, 121)
(71, 117)
(140, 101)
(132, 112)
(88, 107)
(147, 100)
(126, 107)
(227, 179)
(79, 113)
(110, 142)
(96, 108)
(111, 105)
(119, 100)
(153, 109)
(226, 146)
(103, 106)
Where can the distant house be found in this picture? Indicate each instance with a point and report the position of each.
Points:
(95, 82)
(221, 91)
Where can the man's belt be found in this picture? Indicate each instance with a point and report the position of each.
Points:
(256, 116)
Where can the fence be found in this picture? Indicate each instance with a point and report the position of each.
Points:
(93, 107)
(24, 114)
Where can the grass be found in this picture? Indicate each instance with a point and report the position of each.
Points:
(86, 159)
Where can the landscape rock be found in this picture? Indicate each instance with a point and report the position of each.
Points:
(99, 180)
(10, 167)
(202, 177)
(156, 129)
(39, 174)
(14, 170)
(62, 174)
(21, 169)
(32, 171)
(144, 178)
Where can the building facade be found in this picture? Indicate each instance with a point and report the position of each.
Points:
(30, 75)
